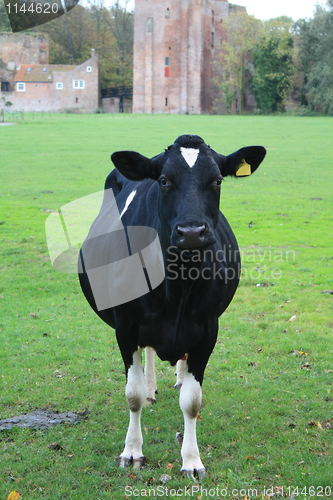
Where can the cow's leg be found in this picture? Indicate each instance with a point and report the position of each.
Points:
(136, 393)
(190, 399)
(190, 403)
(180, 372)
(150, 374)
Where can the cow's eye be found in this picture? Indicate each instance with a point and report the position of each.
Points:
(163, 182)
(218, 181)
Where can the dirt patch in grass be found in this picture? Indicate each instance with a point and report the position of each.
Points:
(40, 419)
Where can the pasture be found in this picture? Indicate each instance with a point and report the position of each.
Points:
(266, 418)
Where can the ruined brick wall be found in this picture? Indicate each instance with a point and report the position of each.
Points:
(27, 48)
(174, 46)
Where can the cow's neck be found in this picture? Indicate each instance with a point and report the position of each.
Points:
(182, 276)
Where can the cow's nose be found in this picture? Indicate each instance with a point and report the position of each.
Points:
(190, 237)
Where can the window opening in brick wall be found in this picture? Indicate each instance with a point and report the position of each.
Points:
(78, 84)
(21, 87)
(166, 66)
(166, 101)
(149, 25)
(60, 85)
(76, 100)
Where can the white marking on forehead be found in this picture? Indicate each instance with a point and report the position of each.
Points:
(128, 202)
(190, 155)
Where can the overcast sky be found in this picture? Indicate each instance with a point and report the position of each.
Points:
(267, 9)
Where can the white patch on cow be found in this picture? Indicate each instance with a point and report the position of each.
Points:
(190, 403)
(136, 393)
(180, 372)
(129, 200)
(190, 155)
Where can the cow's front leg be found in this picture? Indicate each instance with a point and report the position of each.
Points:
(190, 403)
(180, 372)
(150, 374)
(136, 393)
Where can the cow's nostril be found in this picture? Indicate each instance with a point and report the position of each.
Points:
(180, 231)
(202, 230)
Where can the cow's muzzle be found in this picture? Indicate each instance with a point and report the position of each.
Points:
(191, 236)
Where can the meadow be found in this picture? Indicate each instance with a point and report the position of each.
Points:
(266, 425)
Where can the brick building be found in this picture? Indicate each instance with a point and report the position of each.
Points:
(174, 50)
(31, 84)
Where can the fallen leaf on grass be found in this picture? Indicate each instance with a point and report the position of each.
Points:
(169, 466)
(306, 365)
(55, 446)
(199, 418)
(293, 318)
(249, 457)
(146, 431)
(150, 481)
(33, 315)
(325, 424)
(14, 495)
(302, 353)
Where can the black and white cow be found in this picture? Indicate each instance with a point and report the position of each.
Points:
(177, 194)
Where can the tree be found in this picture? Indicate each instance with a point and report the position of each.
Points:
(71, 37)
(243, 31)
(108, 30)
(105, 44)
(121, 24)
(4, 21)
(273, 64)
(315, 56)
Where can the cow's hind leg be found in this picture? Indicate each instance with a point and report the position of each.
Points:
(190, 403)
(150, 374)
(136, 394)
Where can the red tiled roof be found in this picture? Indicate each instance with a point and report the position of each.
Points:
(36, 73)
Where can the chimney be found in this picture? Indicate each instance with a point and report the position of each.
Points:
(92, 52)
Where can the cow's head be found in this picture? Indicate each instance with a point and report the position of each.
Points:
(189, 174)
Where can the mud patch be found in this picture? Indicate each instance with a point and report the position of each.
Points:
(41, 419)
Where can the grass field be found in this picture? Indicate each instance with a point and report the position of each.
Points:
(266, 419)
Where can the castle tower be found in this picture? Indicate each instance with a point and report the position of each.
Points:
(174, 44)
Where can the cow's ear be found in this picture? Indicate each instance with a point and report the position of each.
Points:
(243, 162)
(135, 166)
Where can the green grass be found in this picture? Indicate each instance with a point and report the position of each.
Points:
(267, 378)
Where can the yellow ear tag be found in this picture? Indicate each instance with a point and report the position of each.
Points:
(243, 169)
